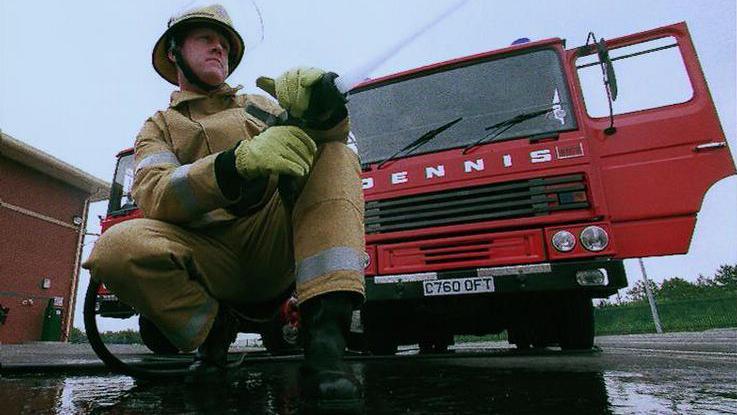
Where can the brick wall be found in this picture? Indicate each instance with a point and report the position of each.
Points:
(32, 249)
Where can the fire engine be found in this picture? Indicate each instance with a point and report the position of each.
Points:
(504, 190)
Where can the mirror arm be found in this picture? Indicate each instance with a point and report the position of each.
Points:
(610, 81)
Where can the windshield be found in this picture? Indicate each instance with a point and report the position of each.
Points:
(120, 194)
(386, 118)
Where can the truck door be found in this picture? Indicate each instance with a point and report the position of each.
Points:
(668, 148)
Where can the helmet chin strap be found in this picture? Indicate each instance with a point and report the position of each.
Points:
(189, 73)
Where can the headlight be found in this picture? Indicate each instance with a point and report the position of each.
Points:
(564, 241)
(594, 238)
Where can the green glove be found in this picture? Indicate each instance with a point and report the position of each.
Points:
(281, 150)
(292, 89)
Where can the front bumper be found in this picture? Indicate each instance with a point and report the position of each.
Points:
(108, 305)
(533, 278)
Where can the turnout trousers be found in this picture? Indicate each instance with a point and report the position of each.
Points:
(177, 276)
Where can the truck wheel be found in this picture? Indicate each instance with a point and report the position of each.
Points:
(280, 338)
(576, 322)
(426, 346)
(377, 331)
(355, 342)
(381, 346)
(436, 344)
(519, 338)
(153, 338)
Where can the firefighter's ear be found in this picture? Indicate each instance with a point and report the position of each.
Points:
(170, 55)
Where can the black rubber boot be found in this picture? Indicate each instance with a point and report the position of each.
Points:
(327, 386)
(211, 359)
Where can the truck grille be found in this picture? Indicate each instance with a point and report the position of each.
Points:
(524, 198)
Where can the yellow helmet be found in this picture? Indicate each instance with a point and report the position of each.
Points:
(213, 15)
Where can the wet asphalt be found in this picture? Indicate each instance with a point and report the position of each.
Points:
(682, 373)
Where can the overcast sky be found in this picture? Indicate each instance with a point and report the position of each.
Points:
(76, 79)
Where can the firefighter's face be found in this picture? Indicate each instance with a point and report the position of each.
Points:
(206, 51)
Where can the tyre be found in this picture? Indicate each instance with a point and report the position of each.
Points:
(279, 338)
(436, 344)
(576, 322)
(355, 342)
(542, 320)
(519, 338)
(153, 338)
(523, 318)
(378, 331)
(381, 346)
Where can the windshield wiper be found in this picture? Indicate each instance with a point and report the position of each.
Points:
(500, 127)
(422, 140)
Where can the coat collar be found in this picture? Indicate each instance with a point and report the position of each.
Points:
(180, 97)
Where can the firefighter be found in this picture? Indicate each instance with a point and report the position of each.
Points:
(217, 236)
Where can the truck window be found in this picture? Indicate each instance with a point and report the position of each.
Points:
(390, 115)
(120, 194)
(649, 75)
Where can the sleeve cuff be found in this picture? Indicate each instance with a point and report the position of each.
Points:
(227, 175)
(337, 133)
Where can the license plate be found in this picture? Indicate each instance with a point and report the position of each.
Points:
(458, 286)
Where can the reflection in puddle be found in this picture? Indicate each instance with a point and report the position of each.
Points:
(679, 391)
(451, 389)
(77, 392)
(393, 386)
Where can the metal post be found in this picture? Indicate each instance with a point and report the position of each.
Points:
(650, 299)
(72, 295)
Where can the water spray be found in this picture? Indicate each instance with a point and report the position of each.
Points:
(354, 76)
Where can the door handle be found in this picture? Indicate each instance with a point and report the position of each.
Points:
(710, 146)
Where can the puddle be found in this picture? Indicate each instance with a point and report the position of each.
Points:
(392, 386)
